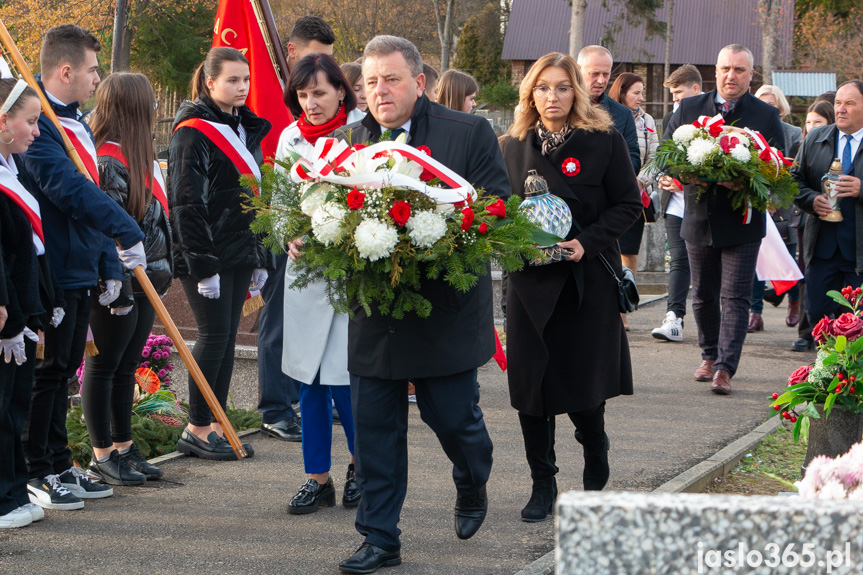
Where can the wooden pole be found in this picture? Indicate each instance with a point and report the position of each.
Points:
(273, 33)
(140, 274)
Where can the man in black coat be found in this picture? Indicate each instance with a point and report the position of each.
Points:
(439, 354)
(723, 242)
(596, 63)
(832, 251)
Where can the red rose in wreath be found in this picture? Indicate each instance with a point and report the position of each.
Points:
(497, 209)
(467, 218)
(355, 199)
(400, 212)
(800, 375)
(849, 325)
(822, 330)
(483, 228)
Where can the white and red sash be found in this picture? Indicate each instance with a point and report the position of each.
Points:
(83, 144)
(19, 195)
(157, 186)
(229, 143)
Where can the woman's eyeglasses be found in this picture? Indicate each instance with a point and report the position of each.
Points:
(544, 91)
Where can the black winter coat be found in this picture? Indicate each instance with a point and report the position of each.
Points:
(458, 335)
(114, 180)
(210, 225)
(711, 221)
(566, 347)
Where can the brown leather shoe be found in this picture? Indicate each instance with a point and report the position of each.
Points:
(793, 313)
(705, 370)
(721, 382)
(755, 323)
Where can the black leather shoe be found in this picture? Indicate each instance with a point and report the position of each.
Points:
(137, 462)
(286, 430)
(115, 471)
(369, 558)
(311, 495)
(470, 512)
(250, 451)
(802, 344)
(214, 448)
(351, 495)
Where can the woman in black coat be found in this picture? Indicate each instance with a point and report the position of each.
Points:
(128, 173)
(217, 139)
(567, 349)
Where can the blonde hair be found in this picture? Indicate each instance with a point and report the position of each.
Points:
(781, 100)
(453, 87)
(583, 115)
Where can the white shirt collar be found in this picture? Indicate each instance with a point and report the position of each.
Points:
(856, 136)
(9, 164)
(57, 100)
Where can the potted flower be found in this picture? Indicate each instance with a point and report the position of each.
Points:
(825, 399)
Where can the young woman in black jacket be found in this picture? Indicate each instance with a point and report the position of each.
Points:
(29, 300)
(216, 141)
(122, 126)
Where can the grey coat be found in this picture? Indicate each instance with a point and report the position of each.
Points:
(812, 162)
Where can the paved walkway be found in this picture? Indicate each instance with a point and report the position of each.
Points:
(229, 518)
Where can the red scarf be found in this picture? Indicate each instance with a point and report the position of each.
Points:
(312, 133)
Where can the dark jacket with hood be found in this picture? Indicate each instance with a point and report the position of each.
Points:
(80, 222)
(458, 335)
(114, 180)
(208, 219)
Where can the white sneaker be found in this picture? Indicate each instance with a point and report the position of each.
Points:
(36, 512)
(671, 328)
(49, 493)
(15, 518)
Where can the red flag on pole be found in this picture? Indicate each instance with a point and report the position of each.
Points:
(238, 26)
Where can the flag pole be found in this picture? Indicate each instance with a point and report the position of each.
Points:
(264, 15)
(140, 274)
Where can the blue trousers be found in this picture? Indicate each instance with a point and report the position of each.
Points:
(449, 406)
(316, 403)
(277, 390)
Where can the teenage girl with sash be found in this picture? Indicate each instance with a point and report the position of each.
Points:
(216, 141)
(23, 279)
(122, 126)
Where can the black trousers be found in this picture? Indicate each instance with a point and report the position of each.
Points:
(678, 276)
(108, 389)
(218, 320)
(277, 390)
(538, 433)
(16, 382)
(823, 275)
(449, 406)
(44, 435)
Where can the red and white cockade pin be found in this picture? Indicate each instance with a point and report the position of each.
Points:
(571, 166)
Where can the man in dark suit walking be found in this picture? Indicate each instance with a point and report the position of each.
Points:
(722, 244)
(832, 251)
(440, 354)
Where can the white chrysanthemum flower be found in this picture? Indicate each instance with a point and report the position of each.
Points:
(741, 153)
(425, 228)
(684, 134)
(699, 150)
(327, 222)
(375, 239)
(312, 201)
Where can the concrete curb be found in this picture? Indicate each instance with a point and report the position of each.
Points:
(693, 480)
(177, 455)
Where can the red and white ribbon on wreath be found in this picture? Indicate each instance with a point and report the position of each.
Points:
(711, 124)
(332, 156)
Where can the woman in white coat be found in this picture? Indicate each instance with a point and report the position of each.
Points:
(315, 349)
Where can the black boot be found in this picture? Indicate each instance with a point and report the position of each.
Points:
(590, 433)
(351, 495)
(541, 503)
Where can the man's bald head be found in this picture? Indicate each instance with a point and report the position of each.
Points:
(595, 63)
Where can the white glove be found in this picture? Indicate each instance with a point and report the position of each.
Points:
(14, 347)
(112, 292)
(209, 287)
(133, 257)
(121, 310)
(59, 314)
(259, 278)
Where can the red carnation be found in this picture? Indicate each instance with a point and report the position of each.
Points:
(849, 325)
(483, 228)
(356, 199)
(822, 329)
(400, 212)
(800, 375)
(725, 144)
(765, 156)
(715, 129)
(467, 220)
(497, 209)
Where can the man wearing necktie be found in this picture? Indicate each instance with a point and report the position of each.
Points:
(833, 251)
(440, 354)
